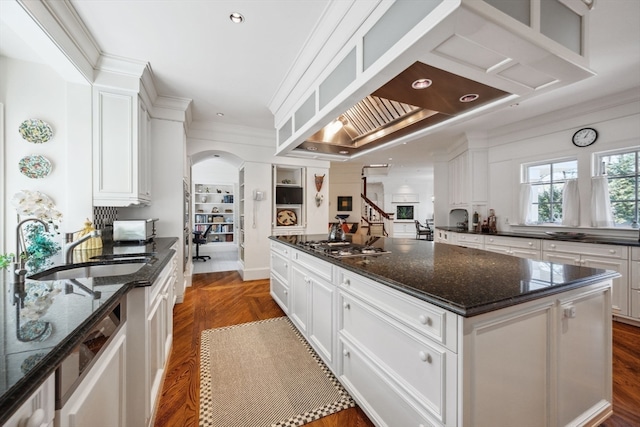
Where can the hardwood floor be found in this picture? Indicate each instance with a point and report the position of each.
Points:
(223, 299)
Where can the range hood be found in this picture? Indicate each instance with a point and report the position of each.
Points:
(466, 57)
(418, 97)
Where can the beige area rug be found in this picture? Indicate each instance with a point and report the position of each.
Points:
(264, 374)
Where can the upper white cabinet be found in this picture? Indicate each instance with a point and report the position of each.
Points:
(121, 148)
(468, 178)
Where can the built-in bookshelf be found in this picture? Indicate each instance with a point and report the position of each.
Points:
(213, 206)
(288, 202)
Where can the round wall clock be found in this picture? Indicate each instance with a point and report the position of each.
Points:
(584, 137)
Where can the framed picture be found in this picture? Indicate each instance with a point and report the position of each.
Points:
(345, 203)
(404, 212)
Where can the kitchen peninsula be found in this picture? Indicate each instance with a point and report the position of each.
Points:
(67, 344)
(424, 333)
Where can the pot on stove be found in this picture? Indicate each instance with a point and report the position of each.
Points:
(336, 233)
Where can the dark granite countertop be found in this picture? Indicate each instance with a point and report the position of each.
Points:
(464, 281)
(71, 312)
(587, 238)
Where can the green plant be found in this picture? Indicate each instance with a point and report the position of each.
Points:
(5, 260)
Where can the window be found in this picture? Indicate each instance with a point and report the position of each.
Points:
(622, 170)
(547, 182)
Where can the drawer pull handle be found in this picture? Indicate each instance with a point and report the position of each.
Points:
(285, 265)
(346, 282)
(286, 292)
(425, 357)
(345, 353)
(425, 320)
(552, 246)
(530, 244)
(346, 306)
(612, 251)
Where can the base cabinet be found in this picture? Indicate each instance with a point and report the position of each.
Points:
(150, 335)
(101, 397)
(38, 409)
(634, 279)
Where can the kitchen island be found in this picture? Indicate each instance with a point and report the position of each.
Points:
(45, 325)
(432, 334)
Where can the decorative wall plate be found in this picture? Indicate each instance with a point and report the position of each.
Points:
(35, 166)
(31, 361)
(36, 131)
(287, 217)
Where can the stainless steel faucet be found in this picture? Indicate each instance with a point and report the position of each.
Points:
(70, 244)
(19, 272)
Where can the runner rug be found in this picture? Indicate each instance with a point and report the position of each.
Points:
(264, 374)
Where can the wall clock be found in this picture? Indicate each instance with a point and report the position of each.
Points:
(584, 137)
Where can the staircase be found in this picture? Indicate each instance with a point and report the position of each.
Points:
(374, 219)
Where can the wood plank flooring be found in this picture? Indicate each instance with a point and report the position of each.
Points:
(223, 299)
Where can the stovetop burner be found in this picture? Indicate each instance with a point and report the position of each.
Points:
(343, 249)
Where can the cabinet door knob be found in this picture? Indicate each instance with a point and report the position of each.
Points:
(530, 244)
(36, 419)
(425, 320)
(346, 282)
(346, 306)
(552, 246)
(345, 353)
(425, 357)
(612, 251)
(285, 265)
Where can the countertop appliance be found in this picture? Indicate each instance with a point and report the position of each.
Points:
(134, 230)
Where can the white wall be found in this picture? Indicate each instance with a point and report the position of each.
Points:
(30, 90)
(618, 127)
(345, 180)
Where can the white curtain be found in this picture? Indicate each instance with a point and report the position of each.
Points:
(571, 204)
(524, 204)
(601, 214)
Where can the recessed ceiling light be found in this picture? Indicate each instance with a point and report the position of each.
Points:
(312, 148)
(220, 114)
(421, 84)
(343, 152)
(216, 155)
(236, 18)
(469, 97)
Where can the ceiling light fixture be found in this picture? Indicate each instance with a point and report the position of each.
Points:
(312, 148)
(469, 97)
(236, 18)
(343, 152)
(421, 84)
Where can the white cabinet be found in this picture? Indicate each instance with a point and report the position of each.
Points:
(475, 241)
(289, 208)
(444, 236)
(279, 287)
(121, 148)
(38, 409)
(312, 303)
(404, 345)
(608, 257)
(634, 280)
(101, 397)
(514, 246)
(404, 229)
(150, 335)
(213, 205)
(468, 178)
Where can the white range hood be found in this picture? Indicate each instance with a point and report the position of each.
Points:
(528, 48)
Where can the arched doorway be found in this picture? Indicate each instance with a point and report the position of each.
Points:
(214, 202)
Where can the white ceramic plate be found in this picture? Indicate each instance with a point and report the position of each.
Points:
(35, 166)
(36, 131)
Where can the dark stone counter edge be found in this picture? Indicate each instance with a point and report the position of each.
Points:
(13, 398)
(448, 305)
(586, 239)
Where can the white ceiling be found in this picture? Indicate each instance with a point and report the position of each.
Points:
(196, 52)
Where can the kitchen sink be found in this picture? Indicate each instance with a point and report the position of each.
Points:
(94, 270)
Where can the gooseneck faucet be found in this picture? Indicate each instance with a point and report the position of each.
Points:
(70, 244)
(19, 272)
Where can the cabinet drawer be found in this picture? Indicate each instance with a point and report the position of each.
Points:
(382, 403)
(635, 254)
(280, 248)
(280, 266)
(608, 251)
(321, 268)
(410, 360)
(468, 239)
(433, 322)
(280, 293)
(513, 242)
